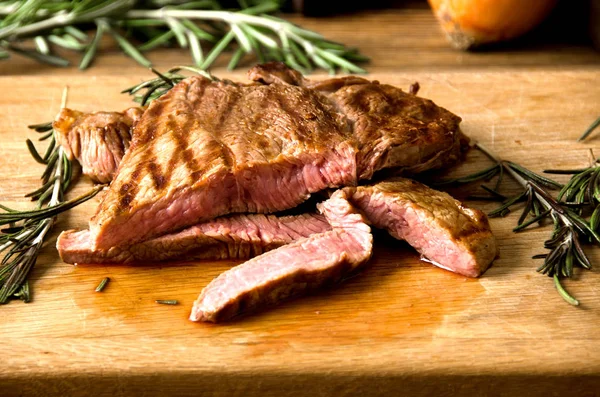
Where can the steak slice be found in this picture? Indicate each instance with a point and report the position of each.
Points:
(209, 148)
(97, 140)
(235, 237)
(445, 232)
(290, 270)
(392, 128)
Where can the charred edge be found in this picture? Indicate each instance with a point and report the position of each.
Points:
(125, 133)
(157, 177)
(128, 190)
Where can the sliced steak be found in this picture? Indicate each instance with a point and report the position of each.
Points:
(97, 140)
(445, 232)
(290, 270)
(234, 237)
(209, 148)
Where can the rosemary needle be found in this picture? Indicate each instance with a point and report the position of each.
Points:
(167, 301)
(568, 298)
(102, 284)
(589, 130)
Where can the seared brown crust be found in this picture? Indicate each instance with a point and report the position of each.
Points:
(377, 112)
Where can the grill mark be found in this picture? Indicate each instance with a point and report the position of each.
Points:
(181, 134)
(129, 190)
(226, 109)
(301, 129)
(259, 137)
(148, 161)
(155, 172)
(145, 134)
(181, 153)
(152, 114)
(121, 132)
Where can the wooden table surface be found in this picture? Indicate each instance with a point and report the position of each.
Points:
(402, 327)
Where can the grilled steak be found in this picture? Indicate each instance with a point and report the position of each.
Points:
(447, 233)
(97, 140)
(235, 237)
(209, 148)
(290, 270)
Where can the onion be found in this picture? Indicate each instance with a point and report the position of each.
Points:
(470, 23)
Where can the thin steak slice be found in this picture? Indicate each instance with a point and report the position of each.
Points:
(234, 237)
(97, 140)
(290, 270)
(445, 232)
(208, 148)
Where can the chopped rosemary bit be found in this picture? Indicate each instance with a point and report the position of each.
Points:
(167, 301)
(28, 27)
(102, 284)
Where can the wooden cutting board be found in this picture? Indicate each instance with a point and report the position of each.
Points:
(400, 327)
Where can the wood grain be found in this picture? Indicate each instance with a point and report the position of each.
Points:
(400, 326)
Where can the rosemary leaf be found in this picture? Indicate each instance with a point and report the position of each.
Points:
(157, 41)
(195, 48)
(564, 294)
(235, 59)
(217, 49)
(42, 45)
(531, 221)
(92, 48)
(589, 130)
(34, 153)
(241, 38)
(200, 33)
(44, 58)
(179, 30)
(127, 47)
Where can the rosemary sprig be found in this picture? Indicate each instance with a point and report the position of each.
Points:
(570, 228)
(250, 28)
(583, 190)
(24, 236)
(155, 88)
